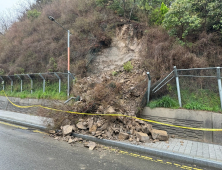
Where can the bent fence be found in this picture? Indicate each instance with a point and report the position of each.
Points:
(33, 81)
(184, 82)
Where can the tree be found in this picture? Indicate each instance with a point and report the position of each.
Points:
(158, 14)
(180, 19)
(210, 14)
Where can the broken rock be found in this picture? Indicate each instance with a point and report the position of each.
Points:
(159, 134)
(70, 141)
(93, 128)
(143, 137)
(91, 145)
(81, 126)
(110, 110)
(52, 131)
(123, 136)
(66, 130)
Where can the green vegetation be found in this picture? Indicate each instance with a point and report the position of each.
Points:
(180, 19)
(114, 73)
(51, 92)
(182, 33)
(33, 14)
(165, 101)
(128, 66)
(199, 100)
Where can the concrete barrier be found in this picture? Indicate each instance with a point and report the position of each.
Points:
(6, 105)
(188, 118)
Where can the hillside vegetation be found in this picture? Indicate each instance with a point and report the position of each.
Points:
(182, 32)
(158, 34)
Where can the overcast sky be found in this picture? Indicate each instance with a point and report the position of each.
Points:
(10, 4)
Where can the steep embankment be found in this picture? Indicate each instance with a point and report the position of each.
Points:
(112, 86)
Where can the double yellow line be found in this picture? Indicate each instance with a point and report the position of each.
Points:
(118, 115)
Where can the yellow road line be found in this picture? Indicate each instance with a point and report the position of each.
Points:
(17, 126)
(150, 159)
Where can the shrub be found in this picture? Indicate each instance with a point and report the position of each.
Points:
(128, 66)
(32, 14)
(165, 101)
(114, 73)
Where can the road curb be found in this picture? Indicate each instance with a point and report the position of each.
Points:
(156, 152)
(31, 125)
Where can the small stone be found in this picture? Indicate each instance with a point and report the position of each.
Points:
(81, 126)
(123, 136)
(143, 137)
(130, 139)
(99, 123)
(52, 131)
(70, 141)
(90, 123)
(104, 126)
(91, 145)
(110, 110)
(93, 128)
(66, 130)
(108, 134)
(139, 121)
(74, 128)
(98, 133)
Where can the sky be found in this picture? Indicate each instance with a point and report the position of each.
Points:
(6, 5)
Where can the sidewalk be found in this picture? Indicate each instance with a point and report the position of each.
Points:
(204, 154)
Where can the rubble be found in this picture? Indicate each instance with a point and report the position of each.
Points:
(80, 125)
(123, 136)
(159, 134)
(66, 130)
(52, 131)
(143, 137)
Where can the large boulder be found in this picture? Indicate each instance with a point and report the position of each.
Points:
(143, 137)
(159, 134)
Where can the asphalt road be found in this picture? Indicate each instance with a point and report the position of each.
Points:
(25, 150)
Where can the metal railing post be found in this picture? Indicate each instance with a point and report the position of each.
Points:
(178, 85)
(21, 81)
(149, 85)
(31, 82)
(43, 82)
(219, 85)
(59, 81)
(3, 83)
(11, 83)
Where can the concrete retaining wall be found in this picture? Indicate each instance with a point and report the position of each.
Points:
(6, 105)
(188, 118)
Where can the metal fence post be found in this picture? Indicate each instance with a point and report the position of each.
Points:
(21, 81)
(219, 85)
(11, 83)
(59, 81)
(31, 82)
(148, 89)
(178, 85)
(3, 83)
(43, 82)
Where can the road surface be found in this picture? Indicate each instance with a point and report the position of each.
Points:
(27, 150)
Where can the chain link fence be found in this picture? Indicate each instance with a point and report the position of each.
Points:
(196, 88)
(37, 82)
